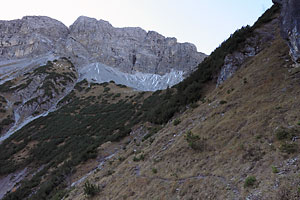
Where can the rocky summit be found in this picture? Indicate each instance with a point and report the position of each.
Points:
(129, 49)
(31, 36)
(89, 41)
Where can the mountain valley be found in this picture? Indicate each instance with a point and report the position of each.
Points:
(97, 112)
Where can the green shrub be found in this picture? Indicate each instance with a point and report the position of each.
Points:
(121, 86)
(2, 99)
(223, 102)
(106, 89)
(152, 131)
(288, 148)
(154, 170)
(91, 189)
(275, 170)
(138, 158)
(286, 133)
(194, 141)
(117, 95)
(282, 134)
(6, 87)
(194, 105)
(110, 172)
(7, 121)
(250, 181)
(17, 103)
(121, 158)
(176, 122)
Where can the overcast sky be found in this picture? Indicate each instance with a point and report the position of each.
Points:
(205, 23)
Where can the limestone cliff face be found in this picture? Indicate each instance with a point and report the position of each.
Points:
(130, 49)
(89, 40)
(290, 25)
(31, 36)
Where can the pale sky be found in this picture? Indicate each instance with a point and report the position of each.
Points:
(205, 23)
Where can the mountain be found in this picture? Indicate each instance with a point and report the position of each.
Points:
(239, 140)
(229, 130)
(41, 60)
(89, 42)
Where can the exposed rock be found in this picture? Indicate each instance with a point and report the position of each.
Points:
(91, 41)
(262, 37)
(10, 181)
(231, 64)
(234, 61)
(31, 36)
(290, 25)
(100, 73)
(37, 92)
(129, 49)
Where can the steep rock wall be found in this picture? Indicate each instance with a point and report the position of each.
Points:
(290, 25)
(96, 41)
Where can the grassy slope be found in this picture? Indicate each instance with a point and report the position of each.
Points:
(238, 136)
(89, 116)
(192, 88)
(70, 138)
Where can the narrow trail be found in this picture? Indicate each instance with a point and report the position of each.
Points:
(99, 167)
(232, 187)
(228, 184)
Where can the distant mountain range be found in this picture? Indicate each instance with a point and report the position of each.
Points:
(89, 42)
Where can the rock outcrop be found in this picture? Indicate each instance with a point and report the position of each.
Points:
(31, 36)
(262, 36)
(35, 93)
(129, 49)
(233, 61)
(91, 41)
(290, 25)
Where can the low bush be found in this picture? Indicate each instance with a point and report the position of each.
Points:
(154, 170)
(283, 134)
(176, 122)
(223, 102)
(288, 148)
(91, 189)
(250, 181)
(194, 141)
(138, 158)
(275, 170)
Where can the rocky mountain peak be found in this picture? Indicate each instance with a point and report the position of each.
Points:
(39, 23)
(89, 24)
(30, 36)
(88, 41)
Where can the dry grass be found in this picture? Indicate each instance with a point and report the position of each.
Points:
(240, 139)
